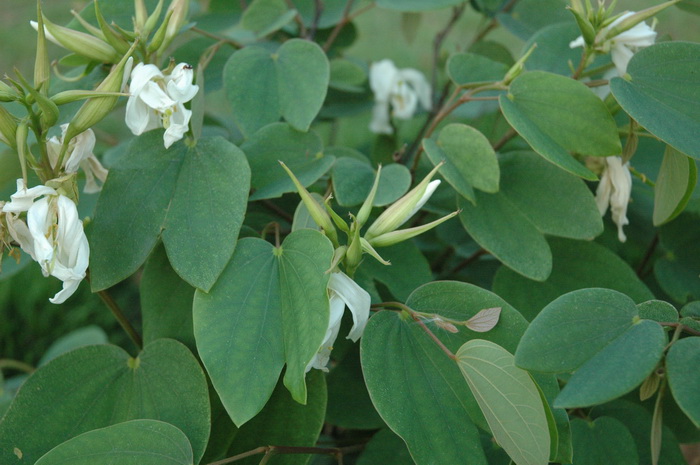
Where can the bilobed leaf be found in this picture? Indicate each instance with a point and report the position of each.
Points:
(270, 307)
(538, 105)
(524, 210)
(662, 93)
(189, 195)
(290, 83)
(674, 185)
(575, 265)
(683, 356)
(470, 161)
(509, 400)
(97, 386)
(142, 442)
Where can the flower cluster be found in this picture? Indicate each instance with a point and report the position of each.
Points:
(614, 191)
(52, 235)
(79, 155)
(156, 100)
(400, 88)
(624, 45)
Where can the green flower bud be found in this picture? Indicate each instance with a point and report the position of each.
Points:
(518, 67)
(83, 44)
(366, 208)
(394, 237)
(631, 21)
(8, 128)
(587, 29)
(141, 14)
(114, 39)
(70, 96)
(151, 21)
(7, 93)
(404, 208)
(41, 63)
(180, 9)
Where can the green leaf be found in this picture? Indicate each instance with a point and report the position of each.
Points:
(553, 53)
(419, 392)
(561, 447)
(681, 361)
(166, 302)
(658, 310)
(97, 386)
(190, 195)
(674, 185)
(470, 161)
(353, 179)
(416, 5)
(530, 16)
(89, 335)
(573, 329)
(385, 447)
(470, 68)
(264, 17)
(617, 368)
(677, 271)
(273, 303)
(136, 442)
(302, 152)
(575, 265)
(349, 405)
(347, 76)
(509, 400)
(604, 440)
(538, 105)
(638, 421)
(290, 83)
(524, 210)
(283, 421)
(662, 93)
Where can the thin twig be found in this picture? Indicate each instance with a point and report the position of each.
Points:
(121, 318)
(273, 207)
(648, 254)
(269, 451)
(318, 11)
(498, 145)
(225, 40)
(15, 365)
(466, 262)
(440, 38)
(338, 27)
(680, 327)
(433, 336)
(493, 24)
(297, 19)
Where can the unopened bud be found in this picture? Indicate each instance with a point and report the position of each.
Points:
(140, 15)
(353, 256)
(404, 208)
(70, 96)
(632, 20)
(159, 36)
(587, 29)
(8, 128)
(7, 93)
(97, 108)
(83, 44)
(446, 325)
(394, 237)
(180, 10)
(116, 41)
(317, 212)
(152, 20)
(366, 208)
(518, 67)
(41, 63)
(367, 248)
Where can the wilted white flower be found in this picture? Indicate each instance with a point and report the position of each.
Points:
(53, 235)
(403, 89)
(614, 190)
(342, 291)
(157, 100)
(624, 45)
(79, 154)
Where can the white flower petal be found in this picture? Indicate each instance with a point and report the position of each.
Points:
(20, 233)
(155, 97)
(614, 190)
(141, 75)
(432, 185)
(577, 42)
(380, 123)
(356, 298)
(22, 200)
(403, 101)
(179, 83)
(420, 86)
(323, 355)
(382, 79)
(39, 220)
(177, 126)
(69, 288)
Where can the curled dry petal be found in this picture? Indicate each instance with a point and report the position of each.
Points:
(485, 320)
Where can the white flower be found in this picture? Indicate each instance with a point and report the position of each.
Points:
(342, 291)
(156, 101)
(614, 190)
(80, 155)
(624, 45)
(53, 235)
(403, 89)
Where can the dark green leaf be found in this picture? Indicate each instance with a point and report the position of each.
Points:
(674, 185)
(553, 53)
(681, 361)
(89, 335)
(385, 447)
(471, 68)
(604, 440)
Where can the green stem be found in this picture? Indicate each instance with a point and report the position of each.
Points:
(121, 318)
(15, 365)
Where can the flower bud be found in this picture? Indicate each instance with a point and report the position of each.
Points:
(97, 108)
(317, 212)
(8, 128)
(7, 93)
(394, 237)
(353, 256)
(83, 44)
(404, 208)
(518, 67)
(180, 10)
(150, 23)
(115, 40)
(587, 29)
(140, 15)
(632, 20)
(41, 63)
(70, 96)
(159, 36)
(366, 208)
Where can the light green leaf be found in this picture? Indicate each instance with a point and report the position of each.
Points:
(604, 440)
(347, 76)
(136, 442)
(538, 105)
(509, 400)
(290, 83)
(470, 68)
(575, 265)
(190, 195)
(674, 185)
(662, 93)
(681, 360)
(524, 210)
(97, 386)
(470, 161)
(266, 16)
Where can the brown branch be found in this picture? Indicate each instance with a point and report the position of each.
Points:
(466, 262)
(493, 24)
